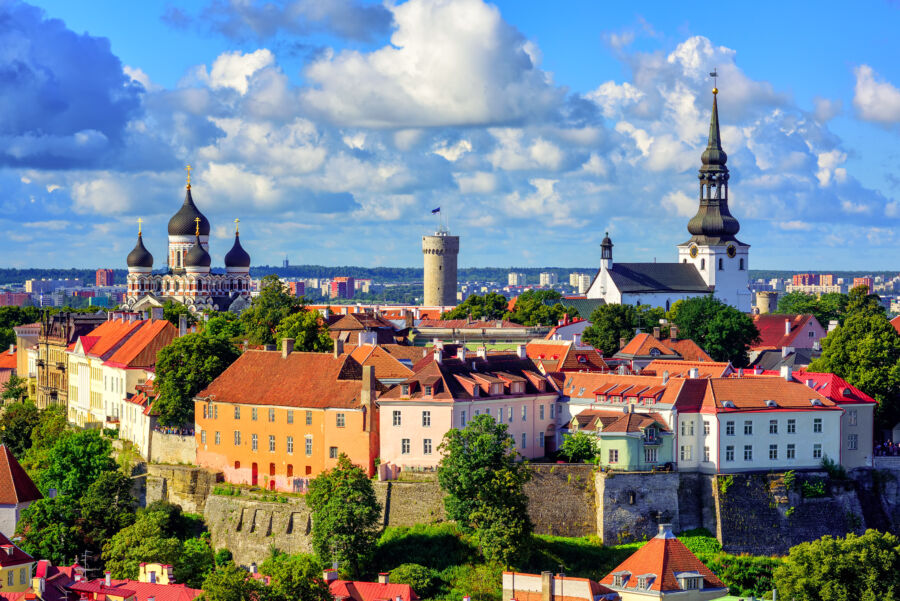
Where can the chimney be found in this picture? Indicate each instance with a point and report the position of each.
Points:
(694, 373)
(417, 314)
(622, 370)
(546, 586)
(461, 353)
(182, 325)
(811, 383)
(520, 351)
(656, 332)
(383, 578)
(12, 349)
(146, 314)
(481, 352)
(786, 350)
(786, 373)
(338, 348)
(287, 347)
(253, 568)
(832, 324)
(107, 578)
(740, 372)
(366, 395)
(576, 340)
(156, 313)
(621, 343)
(673, 331)
(787, 327)
(438, 355)
(665, 377)
(330, 575)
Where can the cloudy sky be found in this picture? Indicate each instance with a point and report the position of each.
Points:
(332, 128)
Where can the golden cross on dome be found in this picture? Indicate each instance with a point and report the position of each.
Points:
(197, 221)
(140, 221)
(236, 225)
(188, 169)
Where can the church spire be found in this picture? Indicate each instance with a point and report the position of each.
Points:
(713, 223)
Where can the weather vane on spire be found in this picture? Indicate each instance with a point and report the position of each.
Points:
(236, 226)
(715, 74)
(140, 221)
(188, 169)
(197, 221)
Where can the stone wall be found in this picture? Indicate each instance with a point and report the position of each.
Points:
(172, 448)
(410, 503)
(183, 485)
(630, 505)
(697, 502)
(248, 527)
(562, 500)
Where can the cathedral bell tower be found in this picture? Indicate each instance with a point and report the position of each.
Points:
(720, 258)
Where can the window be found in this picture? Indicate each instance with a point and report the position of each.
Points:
(290, 416)
(650, 455)
(404, 389)
(792, 426)
(686, 452)
(524, 413)
(237, 412)
(216, 412)
(237, 438)
(426, 446)
(524, 440)
(773, 426)
(720, 264)
(396, 418)
(218, 438)
(23, 578)
(11, 578)
(614, 456)
(254, 414)
(332, 452)
(404, 446)
(729, 453)
(340, 421)
(791, 452)
(290, 445)
(509, 412)
(254, 442)
(741, 265)
(271, 443)
(773, 452)
(462, 419)
(702, 264)
(271, 415)
(852, 442)
(748, 428)
(203, 437)
(706, 454)
(541, 439)
(309, 418)
(851, 417)
(308, 445)
(552, 406)
(706, 428)
(817, 451)
(817, 425)
(729, 428)
(426, 419)
(541, 411)
(427, 390)
(748, 452)
(487, 411)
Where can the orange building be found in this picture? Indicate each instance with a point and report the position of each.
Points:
(867, 282)
(277, 419)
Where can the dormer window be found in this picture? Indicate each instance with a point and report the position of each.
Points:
(689, 583)
(427, 390)
(620, 579)
(654, 352)
(771, 404)
(404, 389)
(518, 387)
(728, 404)
(496, 389)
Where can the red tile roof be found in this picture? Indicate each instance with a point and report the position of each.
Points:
(664, 557)
(386, 365)
(687, 348)
(642, 345)
(140, 349)
(15, 485)
(14, 557)
(110, 335)
(681, 369)
(346, 590)
(833, 387)
(8, 359)
(772, 329)
(752, 394)
(896, 323)
(645, 345)
(142, 591)
(563, 355)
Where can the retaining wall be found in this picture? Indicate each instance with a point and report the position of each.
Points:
(172, 448)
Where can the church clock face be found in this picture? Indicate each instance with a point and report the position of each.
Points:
(693, 252)
(731, 250)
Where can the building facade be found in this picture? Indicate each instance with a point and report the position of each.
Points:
(105, 277)
(57, 333)
(440, 251)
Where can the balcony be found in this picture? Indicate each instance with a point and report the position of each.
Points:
(652, 440)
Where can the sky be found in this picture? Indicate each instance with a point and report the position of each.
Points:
(332, 128)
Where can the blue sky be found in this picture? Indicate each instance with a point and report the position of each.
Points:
(331, 129)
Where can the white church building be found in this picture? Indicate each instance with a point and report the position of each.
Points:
(712, 261)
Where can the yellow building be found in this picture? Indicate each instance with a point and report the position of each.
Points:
(16, 567)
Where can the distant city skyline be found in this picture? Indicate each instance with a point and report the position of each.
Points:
(333, 133)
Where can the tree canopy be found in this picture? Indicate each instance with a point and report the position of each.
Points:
(721, 330)
(173, 311)
(295, 578)
(531, 309)
(345, 515)
(228, 582)
(609, 324)
(268, 309)
(16, 425)
(579, 447)
(75, 461)
(489, 307)
(307, 330)
(14, 389)
(824, 308)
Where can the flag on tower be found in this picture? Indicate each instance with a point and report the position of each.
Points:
(437, 210)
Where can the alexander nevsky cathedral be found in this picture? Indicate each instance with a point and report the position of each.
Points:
(188, 278)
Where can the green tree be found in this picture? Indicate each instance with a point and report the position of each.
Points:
(484, 484)
(16, 425)
(268, 309)
(224, 325)
(532, 309)
(14, 389)
(307, 330)
(75, 461)
(106, 507)
(860, 301)
(721, 330)
(295, 578)
(153, 537)
(837, 569)
(579, 447)
(51, 426)
(173, 311)
(231, 583)
(489, 307)
(609, 324)
(48, 529)
(421, 579)
(345, 515)
(824, 308)
(184, 368)
(196, 562)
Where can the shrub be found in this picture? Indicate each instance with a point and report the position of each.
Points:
(790, 480)
(835, 470)
(421, 579)
(813, 489)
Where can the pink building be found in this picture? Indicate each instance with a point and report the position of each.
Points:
(451, 386)
(867, 282)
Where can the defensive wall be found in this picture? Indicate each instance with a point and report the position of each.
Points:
(172, 448)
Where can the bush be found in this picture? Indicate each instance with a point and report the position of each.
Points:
(700, 540)
(790, 480)
(835, 470)
(421, 579)
(813, 489)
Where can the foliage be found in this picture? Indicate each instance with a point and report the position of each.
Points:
(824, 308)
(184, 368)
(223, 325)
(76, 460)
(489, 307)
(12, 316)
(173, 311)
(725, 482)
(196, 561)
(484, 485)
(295, 578)
(307, 330)
(836, 569)
(721, 330)
(268, 309)
(48, 530)
(16, 426)
(700, 540)
(790, 480)
(14, 389)
(532, 309)
(578, 447)
(106, 507)
(345, 515)
(421, 579)
(155, 536)
(223, 556)
(609, 324)
(834, 469)
(813, 488)
(228, 582)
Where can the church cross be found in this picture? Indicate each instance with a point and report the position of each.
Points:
(236, 225)
(188, 169)
(140, 221)
(197, 221)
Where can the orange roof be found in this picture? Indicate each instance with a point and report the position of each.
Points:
(687, 348)
(661, 560)
(756, 393)
(15, 485)
(642, 345)
(108, 336)
(386, 365)
(140, 349)
(141, 591)
(681, 369)
(8, 360)
(300, 380)
(896, 323)
(563, 355)
(646, 345)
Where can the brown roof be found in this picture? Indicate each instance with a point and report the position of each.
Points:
(563, 355)
(15, 485)
(643, 345)
(140, 349)
(687, 348)
(753, 394)
(301, 380)
(681, 369)
(386, 365)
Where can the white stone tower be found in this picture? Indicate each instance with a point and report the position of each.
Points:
(440, 252)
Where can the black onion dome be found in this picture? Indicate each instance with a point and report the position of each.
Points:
(183, 222)
(197, 256)
(237, 256)
(140, 256)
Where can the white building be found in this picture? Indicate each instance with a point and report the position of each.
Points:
(516, 279)
(712, 261)
(549, 279)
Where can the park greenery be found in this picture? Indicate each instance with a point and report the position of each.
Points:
(579, 447)
(532, 308)
(826, 307)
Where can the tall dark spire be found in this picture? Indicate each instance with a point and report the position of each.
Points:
(713, 223)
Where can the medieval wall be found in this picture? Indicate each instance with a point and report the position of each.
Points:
(183, 485)
(562, 500)
(631, 505)
(172, 448)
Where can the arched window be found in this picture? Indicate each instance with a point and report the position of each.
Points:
(720, 264)
(702, 264)
(684, 260)
(742, 265)
(667, 304)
